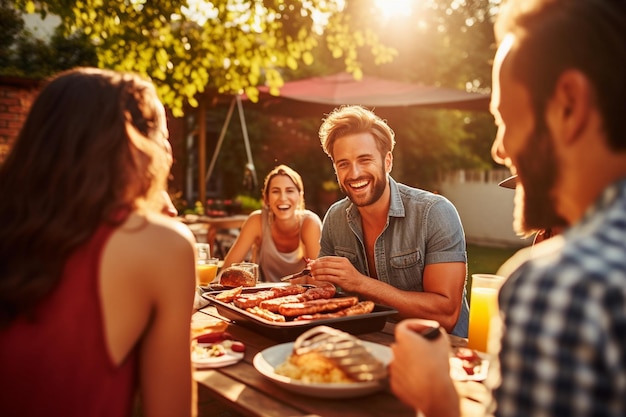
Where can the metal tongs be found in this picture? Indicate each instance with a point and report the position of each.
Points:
(305, 272)
(302, 273)
(344, 349)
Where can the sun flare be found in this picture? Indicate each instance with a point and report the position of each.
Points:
(394, 8)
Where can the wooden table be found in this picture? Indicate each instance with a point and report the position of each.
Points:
(245, 391)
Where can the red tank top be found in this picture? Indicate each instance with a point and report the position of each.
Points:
(57, 363)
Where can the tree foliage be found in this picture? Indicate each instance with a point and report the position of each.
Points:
(11, 25)
(25, 55)
(188, 47)
(447, 43)
(230, 45)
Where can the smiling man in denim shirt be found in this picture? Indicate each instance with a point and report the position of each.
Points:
(387, 242)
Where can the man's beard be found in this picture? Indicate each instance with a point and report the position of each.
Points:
(377, 185)
(537, 171)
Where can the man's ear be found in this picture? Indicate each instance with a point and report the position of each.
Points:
(388, 162)
(570, 107)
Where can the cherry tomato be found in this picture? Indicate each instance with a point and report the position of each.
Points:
(238, 347)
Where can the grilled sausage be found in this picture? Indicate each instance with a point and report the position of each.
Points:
(364, 307)
(314, 293)
(253, 299)
(316, 306)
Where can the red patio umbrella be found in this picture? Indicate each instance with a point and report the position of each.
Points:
(319, 95)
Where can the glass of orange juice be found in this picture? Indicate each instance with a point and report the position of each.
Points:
(483, 309)
(206, 270)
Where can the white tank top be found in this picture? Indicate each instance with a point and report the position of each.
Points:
(275, 264)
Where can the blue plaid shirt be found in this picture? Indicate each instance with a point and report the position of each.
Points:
(563, 350)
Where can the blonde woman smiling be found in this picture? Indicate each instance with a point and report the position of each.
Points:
(283, 234)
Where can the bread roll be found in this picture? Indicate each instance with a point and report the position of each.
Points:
(237, 277)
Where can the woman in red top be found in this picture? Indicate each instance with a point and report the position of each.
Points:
(96, 285)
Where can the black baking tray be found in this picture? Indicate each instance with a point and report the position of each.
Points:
(290, 330)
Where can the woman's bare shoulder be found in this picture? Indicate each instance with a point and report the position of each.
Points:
(150, 249)
(255, 215)
(254, 220)
(311, 217)
(169, 224)
(155, 230)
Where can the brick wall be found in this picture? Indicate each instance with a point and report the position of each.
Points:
(16, 97)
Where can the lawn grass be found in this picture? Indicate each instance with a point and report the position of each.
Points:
(485, 260)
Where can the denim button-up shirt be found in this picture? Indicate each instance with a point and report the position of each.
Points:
(422, 228)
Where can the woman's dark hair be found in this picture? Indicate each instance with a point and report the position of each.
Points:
(91, 150)
(557, 35)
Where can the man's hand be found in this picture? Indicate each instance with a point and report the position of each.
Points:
(420, 371)
(337, 270)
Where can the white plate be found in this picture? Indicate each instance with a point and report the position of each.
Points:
(267, 360)
(229, 358)
(458, 373)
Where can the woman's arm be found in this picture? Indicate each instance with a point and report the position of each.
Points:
(147, 283)
(249, 235)
(167, 387)
(311, 234)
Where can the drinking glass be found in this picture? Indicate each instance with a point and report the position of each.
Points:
(207, 270)
(203, 251)
(250, 267)
(483, 309)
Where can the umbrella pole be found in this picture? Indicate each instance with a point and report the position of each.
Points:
(201, 151)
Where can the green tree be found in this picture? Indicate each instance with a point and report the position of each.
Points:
(229, 45)
(445, 43)
(11, 24)
(23, 54)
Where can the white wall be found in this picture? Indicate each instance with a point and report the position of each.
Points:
(486, 209)
(41, 28)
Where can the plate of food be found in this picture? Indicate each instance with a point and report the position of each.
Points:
(468, 365)
(318, 376)
(214, 350)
